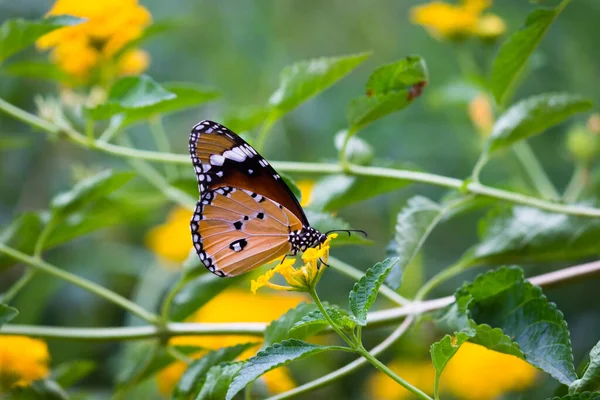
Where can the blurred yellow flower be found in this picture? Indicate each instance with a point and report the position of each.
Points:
(476, 373)
(306, 188)
(22, 361)
(133, 62)
(301, 279)
(457, 21)
(418, 373)
(109, 26)
(234, 305)
(481, 114)
(172, 240)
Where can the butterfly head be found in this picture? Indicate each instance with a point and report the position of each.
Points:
(305, 238)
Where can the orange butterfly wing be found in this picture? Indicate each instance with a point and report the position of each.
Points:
(235, 230)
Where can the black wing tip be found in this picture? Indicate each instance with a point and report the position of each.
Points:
(206, 124)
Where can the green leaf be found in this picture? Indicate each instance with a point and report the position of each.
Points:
(218, 381)
(69, 373)
(195, 294)
(88, 191)
(37, 70)
(413, 225)
(195, 375)
(590, 381)
(301, 81)
(314, 322)
(187, 95)
(514, 52)
(132, 94)
(336, 191)
(17, 34)
(280, 329)
(357, 150)
(528, 235)
(533, 116)
(390, 88)
(272, 357)
(292, 185)
(365, 291)
(42, 389)
(443, 351)
(503, 299)
(7, 314)
(325, 222)
(580, 396)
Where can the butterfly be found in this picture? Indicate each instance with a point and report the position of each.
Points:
(246, 215)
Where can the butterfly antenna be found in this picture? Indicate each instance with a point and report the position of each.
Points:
(348, 231)
(323, 262)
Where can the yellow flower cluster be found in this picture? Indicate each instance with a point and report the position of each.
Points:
(96, 43)
(301, 279)
(234, 305)
(474, 373)
(457, 21)
(22, 361)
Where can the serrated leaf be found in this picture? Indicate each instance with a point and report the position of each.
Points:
(515, 51)
(7, 313)
(590, 381)
(534, 115)
(325, 222)
(88, 191)
(503, 299)
(336, 191)
(69, 373)
(272, 357)
(365, 291)
(357, 150)
(314, 322)
(580, 396)
(218, 381)
(413, 225)
(301, 81)
(132, 94)
(443, 351)
(195, 375)
(196, 293)
(527, 235)
(17, 34)
(187, 95)
(390, 88)
(280, 329)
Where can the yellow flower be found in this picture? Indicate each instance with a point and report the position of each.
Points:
(300, 279)
(234, 305)
(133, 62)
(22, 361)
(109, 26)
(476, 373)
(172, 240)
(457, 21)
(481, 115)
(418, 373)
(306, 188)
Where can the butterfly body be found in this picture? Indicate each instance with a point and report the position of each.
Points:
(246, 215)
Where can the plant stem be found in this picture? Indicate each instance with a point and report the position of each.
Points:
(576, 184)
(536, 173)
(317, 300)
(264, 132)
(383, 368)
(162, 144)
(440, 277)
(319, 168)
(81, 282)
(343, 150)
(17, 286)
(483, 159)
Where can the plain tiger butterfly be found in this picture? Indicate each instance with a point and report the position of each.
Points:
(246, 215)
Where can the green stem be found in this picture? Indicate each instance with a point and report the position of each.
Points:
(162, 144)
(536, 173)
(17, 286)
(319, 168)
(89, 130)
(116, 123)
(79, 281)
(166, 306)
(440, 277)
(383, 368)
(576, 184)
(483, 159)
(317, 300)
(343, 150)
(41, 240)
(264, 132)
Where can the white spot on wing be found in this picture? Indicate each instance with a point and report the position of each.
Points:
(217, 159)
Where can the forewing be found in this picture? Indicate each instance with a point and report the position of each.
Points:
(235, 230)
(222, 158)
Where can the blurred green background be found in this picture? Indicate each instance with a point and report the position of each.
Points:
(239, 48)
